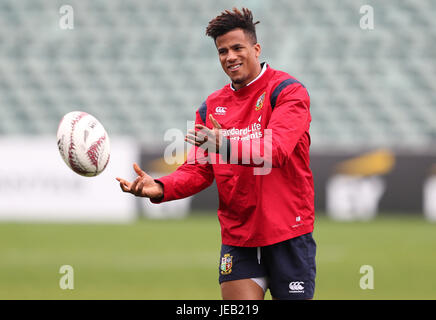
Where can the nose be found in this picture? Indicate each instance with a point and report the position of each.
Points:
(231, 56)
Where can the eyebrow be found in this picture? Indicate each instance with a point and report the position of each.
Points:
(237, 45)
(233, 46)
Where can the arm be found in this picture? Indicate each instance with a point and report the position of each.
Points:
(186, 181)
(194, 175)
(289, 121)
(191, 177)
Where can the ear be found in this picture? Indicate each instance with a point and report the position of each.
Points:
(257, 49)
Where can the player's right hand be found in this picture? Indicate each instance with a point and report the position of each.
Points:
(143, 186)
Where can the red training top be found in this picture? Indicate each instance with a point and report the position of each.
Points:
(266, 192)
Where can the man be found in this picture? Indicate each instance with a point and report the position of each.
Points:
(259, 121)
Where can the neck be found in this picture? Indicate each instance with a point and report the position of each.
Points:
(238, 86)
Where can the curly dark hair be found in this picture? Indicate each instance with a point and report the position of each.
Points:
(230, 20)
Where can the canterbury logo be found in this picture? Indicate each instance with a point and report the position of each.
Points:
(221, 110)
(296, 287)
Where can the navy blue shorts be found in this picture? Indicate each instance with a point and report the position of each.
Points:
(289, 266)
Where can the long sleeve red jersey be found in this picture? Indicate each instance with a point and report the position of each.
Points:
(266, 124)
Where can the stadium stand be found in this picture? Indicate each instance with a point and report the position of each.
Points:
(143, 67)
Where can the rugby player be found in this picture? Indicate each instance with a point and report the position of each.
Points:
(261, 119)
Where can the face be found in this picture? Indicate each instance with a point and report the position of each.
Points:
(239, 57)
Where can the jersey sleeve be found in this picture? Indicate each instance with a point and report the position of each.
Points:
(290, 120)
(194, 175)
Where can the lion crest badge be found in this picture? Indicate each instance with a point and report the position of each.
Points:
(259, 102)
(226, 264)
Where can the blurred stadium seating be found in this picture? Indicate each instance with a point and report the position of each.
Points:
(143, 67)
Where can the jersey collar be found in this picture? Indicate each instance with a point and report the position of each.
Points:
(264, 66)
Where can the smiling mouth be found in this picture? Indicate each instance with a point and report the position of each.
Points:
(235, 67)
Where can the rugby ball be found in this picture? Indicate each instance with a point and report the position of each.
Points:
(83, 143)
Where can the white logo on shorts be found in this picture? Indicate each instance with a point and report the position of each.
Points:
(296, 287)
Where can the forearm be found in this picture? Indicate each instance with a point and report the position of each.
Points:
(186, 181)
(289, 123)
(267, 151)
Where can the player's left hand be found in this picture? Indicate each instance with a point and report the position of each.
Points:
(203, 137)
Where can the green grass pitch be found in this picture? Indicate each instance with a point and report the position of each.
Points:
(178, 259)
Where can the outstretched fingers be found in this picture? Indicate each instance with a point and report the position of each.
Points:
(197, 137)
(124, 184)
(214, 122)
(137, 186)
(192, 140)
(138, 170)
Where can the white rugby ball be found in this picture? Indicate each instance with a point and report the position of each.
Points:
(83, 143)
